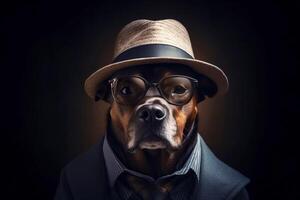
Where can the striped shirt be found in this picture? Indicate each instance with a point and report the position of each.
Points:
(182, 191)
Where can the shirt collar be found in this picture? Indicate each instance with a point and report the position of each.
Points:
(115, 167)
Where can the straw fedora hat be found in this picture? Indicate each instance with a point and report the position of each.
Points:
(154, 41)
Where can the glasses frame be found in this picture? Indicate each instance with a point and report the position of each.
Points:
(113, 82)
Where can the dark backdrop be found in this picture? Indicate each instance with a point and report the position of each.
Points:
(50, 47)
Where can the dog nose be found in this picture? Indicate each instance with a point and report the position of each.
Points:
(152, 113)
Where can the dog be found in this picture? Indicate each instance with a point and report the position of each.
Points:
(151, 147)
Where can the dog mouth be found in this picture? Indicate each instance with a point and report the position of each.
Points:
(152, 138)
(152, 142)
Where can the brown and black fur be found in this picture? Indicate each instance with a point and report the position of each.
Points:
(157, 162)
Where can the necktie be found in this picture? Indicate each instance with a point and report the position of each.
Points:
(146, 190)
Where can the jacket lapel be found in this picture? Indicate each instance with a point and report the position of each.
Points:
(218, 181)
(87, 176)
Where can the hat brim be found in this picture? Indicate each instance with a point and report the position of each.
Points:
(93, 82)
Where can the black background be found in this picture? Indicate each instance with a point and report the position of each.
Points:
(50, 47)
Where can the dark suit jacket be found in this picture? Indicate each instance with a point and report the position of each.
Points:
(85, 178)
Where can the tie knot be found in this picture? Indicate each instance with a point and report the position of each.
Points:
(154, 191)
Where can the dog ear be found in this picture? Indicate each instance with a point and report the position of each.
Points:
(206, 87)
(103, 92)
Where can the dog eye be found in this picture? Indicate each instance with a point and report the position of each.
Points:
(126, 91)
(178, 89)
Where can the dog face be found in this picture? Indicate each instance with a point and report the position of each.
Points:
(153, 121)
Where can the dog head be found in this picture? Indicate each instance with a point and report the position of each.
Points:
(151, 110)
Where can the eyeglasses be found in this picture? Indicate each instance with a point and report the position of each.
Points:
(175, 89)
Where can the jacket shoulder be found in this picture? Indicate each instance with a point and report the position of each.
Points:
(218, 180)
(86, 175)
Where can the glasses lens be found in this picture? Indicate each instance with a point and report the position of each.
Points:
(129, 90)
(178, 90)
